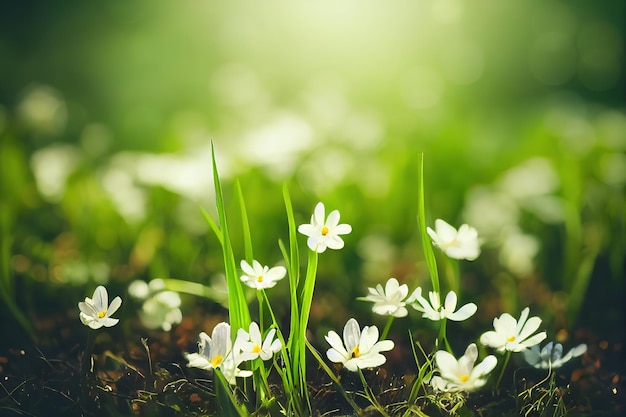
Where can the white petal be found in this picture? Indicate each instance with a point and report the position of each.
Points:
(351, 334)
(308, 229)
(100, 298)
(334, 242)
(336, 343)
(531, 326)
(463, 313)
(342, 229)
(335, 356)
(333, 219)
(318, 215)
(115, 304)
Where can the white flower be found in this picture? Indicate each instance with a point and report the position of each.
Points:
(96, 312)
(323, 232)
(362, 349)
(551, 356)
(212, 351)
(160, 308)
(461, 244)
(435, 311)
(462, 375)
(230, 369)
(513, 335)
(388, 301)
(254, 345)
(259, 276)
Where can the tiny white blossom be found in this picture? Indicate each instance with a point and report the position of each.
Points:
(96, 312)
(160, 308)
(462, 375)
(513, 335)
(324, 232)
(461, 244)
(212, 351)
(358, 349)
(230, 370)
(254, 344)
(259, 276)
(551, 356)
(390, 300)
(433, 310)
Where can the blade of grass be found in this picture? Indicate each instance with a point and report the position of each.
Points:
(245, 225)
(239, 313)
(429, 255)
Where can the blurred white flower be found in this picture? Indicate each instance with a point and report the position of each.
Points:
(462, 375)
(254, 344)
(212, 351)
(390, 300)
(518, 250)
(433, 310)
(96, 312)
(461, 244)
(513, 335)
(358, 349)
(324, 232)
(160, 308)
(551, 356)
(259, 276)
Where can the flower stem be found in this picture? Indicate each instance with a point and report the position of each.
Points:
(85, 369)
(504, 364)
(370, 395)
(387, 327)
(443, 339)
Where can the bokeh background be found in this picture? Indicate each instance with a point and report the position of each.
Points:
(108, 110)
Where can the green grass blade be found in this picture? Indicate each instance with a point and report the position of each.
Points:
(429, 255)
(238, 308)
(245, 225)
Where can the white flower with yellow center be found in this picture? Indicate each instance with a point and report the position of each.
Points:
(462, 375)
(259, 276)
(433, 310)
(324, 232)
(212, 351)
(390, 300)
(254, 346)
(96, 312)
(461, 244)
(513, 335)
(358, 349)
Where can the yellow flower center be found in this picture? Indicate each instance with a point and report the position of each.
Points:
(463, 378)
(355, 352)
(259, 278)
(324, 231)
(256, 349)
(101, 314)
(216, 360)
(510, 339)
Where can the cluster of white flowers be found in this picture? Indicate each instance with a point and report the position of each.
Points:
(219, 352)
(359, 348)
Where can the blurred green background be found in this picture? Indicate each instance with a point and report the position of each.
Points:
(107, 110)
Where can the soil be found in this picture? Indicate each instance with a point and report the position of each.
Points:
(48, 377)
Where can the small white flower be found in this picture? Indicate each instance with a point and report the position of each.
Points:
(231, 371)
(435, 311)
(551, 356)
(259, 276)
(324, 232)
(96, 312)
(255, 346)
(461, 244)
(390, 300)
(358, 349)
(160, 308)
(513, 335)
(212, 351)
(462, 375)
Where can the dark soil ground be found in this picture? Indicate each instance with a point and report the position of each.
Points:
(43, 378)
